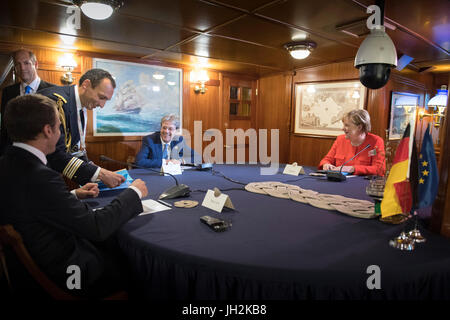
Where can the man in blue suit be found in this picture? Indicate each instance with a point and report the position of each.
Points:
(163, 146)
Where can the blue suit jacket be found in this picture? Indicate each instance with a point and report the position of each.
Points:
(150, 155)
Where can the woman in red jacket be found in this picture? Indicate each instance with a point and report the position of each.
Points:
(355, 138)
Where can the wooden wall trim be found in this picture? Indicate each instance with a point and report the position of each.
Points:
(407, 81)
(440, 214)
(117, 57)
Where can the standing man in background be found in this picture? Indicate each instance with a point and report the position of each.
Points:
(25, 65)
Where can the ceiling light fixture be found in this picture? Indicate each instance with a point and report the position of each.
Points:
(300, 49)
(98, 9)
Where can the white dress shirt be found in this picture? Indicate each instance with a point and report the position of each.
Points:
(34, 85)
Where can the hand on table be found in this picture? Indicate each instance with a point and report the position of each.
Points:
(329, 167)
(89, 190)
(110, 179)
(349, 169)
(138, 183)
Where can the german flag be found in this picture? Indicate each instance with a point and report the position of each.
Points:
(397, 197)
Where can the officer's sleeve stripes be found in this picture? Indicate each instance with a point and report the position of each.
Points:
(72, 167)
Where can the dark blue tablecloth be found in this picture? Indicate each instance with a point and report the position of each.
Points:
(276, 248)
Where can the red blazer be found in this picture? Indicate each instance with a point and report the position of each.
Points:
(370, 161)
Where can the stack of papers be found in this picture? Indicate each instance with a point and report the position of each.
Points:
(152, 206)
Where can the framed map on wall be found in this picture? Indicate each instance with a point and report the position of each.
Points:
(143, 95)
(319, 107)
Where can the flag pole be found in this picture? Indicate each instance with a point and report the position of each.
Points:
(415, 234)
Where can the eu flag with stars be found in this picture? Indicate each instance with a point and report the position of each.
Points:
(428, 173)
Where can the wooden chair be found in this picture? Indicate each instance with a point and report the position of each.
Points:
(10, 237)
(130, 161)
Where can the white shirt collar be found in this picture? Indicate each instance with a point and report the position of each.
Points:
(77, 99)
(38, 153)
(163, 142)
(34, 85)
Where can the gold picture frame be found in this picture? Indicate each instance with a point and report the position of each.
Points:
(320, 106)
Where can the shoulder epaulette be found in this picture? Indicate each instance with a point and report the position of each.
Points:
(62, 117)
(60, 97)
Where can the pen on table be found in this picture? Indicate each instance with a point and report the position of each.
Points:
(165, 203)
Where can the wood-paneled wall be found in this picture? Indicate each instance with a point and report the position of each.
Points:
(274, 110)
(309, 150)
(274, 105)
(440, 218)
(207, 108)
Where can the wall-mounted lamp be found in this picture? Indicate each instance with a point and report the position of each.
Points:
(439, 104)
(200, 77)
(68, 63)
(355, 94)
(300, 49)
(98, 9)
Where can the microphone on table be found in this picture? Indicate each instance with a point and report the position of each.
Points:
(180, 190)
(199, 166)
(338, 176)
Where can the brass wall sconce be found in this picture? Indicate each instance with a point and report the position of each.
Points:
(68, 63)
(439, 104)
(436, 114)
(200, 77)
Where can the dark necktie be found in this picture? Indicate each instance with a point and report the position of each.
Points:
(82, 119)
(165, 153)
(27, 89)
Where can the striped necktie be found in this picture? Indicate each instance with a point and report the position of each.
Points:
(165, 153)
(27, 89)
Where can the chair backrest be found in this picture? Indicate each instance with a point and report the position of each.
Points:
(130, 161)
(10, 237)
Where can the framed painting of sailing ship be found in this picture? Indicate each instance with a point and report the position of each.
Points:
(143, 95)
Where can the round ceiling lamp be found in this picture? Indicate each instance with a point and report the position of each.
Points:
(300, 49)
(98, 9)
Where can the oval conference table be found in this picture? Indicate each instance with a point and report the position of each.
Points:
(276, 249)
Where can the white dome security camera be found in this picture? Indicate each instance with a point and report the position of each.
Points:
(375, 58)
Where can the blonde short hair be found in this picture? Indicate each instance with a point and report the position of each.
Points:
(359, 117)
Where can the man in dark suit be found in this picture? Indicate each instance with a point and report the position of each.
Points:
(164, 147)
(58, 230)
(25, 65)
(95, 87)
